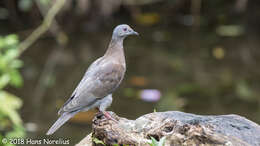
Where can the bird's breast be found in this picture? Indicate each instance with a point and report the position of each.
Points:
(113, 76)
(108, 79)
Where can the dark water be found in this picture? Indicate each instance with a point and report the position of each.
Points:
(200, 73)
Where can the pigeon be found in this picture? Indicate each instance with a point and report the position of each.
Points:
(101, 79)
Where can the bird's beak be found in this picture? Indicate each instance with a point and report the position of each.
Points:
(135, 33)
(132, 32)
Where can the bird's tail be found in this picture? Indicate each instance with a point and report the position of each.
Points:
(62, 119)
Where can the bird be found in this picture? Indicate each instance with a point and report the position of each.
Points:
(100, 80)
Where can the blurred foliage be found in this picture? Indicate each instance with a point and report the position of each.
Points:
(230, 30)
(218, 53)
(9, 64)
(10, 120)
(244, 91)
(26, 5)
(148, 18)
(170, 101)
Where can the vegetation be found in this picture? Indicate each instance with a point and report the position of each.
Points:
(11, 125)
(154, 142)
(10, 121)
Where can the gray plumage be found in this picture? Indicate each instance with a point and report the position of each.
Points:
(100, 80)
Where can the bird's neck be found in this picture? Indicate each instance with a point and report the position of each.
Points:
(116, 50)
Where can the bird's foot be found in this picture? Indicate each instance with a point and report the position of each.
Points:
(108, 116)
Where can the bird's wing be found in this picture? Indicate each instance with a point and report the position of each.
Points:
(90, 72)
(99, 81)
(87, 73)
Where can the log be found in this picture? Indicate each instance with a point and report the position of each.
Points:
(178, 128)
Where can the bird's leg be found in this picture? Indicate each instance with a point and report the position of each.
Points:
(108, 116)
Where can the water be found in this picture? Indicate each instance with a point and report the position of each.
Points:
(200, 73)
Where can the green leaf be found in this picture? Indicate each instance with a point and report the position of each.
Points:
(12, 114)
(154, 142)
(11, 54)
(4, 80)
(16, 78)
(162, 141)
(97, 141)
(11, 39)
(9, 100)
(3, 63)
(8, 106)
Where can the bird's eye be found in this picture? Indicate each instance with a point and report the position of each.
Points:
(125, 29)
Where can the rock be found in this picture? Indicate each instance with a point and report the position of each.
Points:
(87, 141)
(179, 128)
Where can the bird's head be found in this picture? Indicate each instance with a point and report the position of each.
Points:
(123, 30)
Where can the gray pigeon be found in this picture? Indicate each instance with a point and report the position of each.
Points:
(99, 82)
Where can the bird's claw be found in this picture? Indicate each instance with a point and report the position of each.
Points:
(108, 116)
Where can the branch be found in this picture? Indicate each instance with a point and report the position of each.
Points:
(43, 27)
